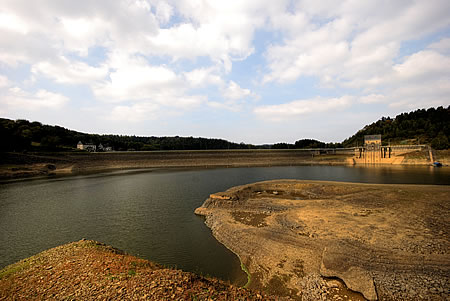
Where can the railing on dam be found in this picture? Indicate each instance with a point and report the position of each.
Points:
(373, 154)
(369, 154)
(377, 151)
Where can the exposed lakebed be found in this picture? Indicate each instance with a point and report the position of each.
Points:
(151, 214)
(385, 241)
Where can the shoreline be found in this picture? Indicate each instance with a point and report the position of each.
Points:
(298, 234)
(35, 165)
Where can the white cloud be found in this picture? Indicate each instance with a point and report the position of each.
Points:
(343, 40)
(220, 30)
(13, 23)
(421, 80)
(132, 31)
(79, 34)
(62, 70)
(164, 11)
(423, 66)
(442, 46)
(235, 92)
(373, 98)
(4, 82)
(133, 79)
(134, 113)
(17, 98)
(150, 58)
(298, 108)
(202, 77)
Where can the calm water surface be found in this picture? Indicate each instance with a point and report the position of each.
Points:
(150, 214)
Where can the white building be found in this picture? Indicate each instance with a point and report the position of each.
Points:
(88, 147)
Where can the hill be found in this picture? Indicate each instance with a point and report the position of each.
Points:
(422, 126)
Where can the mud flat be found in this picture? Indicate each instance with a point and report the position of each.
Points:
(337, 241)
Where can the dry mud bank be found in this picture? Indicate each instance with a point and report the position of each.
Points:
(89, 270)
(297, 238)
(15, 165)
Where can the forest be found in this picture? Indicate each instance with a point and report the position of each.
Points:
(422, 126)
(23, 135)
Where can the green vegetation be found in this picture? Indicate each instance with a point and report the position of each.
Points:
(16, 267)
(131, 272)
(249, 277)
(22, 135)
(422, 126)
(305, 144)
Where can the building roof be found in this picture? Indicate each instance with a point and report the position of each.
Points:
(372, 137)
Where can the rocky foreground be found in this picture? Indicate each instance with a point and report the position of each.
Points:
(89, 270)
(316, 240)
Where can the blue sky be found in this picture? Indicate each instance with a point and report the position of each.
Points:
(259, 71)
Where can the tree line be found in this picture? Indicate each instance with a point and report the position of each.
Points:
(23, 135)
(422, 126)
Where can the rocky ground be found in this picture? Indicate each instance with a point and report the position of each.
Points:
(88, 270)
(316, 240)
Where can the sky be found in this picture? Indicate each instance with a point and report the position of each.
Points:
(253, 71)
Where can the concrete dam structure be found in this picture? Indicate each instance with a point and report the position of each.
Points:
(374, 153)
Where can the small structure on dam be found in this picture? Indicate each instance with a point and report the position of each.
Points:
(373, 152)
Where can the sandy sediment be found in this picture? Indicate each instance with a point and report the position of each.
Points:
(317, 240)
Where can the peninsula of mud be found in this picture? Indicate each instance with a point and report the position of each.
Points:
(337, 241)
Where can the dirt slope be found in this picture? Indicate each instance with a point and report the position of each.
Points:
(88, 270)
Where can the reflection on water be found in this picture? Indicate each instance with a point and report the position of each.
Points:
(151, 214)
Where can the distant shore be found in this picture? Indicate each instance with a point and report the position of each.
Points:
(28, 165)
(18, 165)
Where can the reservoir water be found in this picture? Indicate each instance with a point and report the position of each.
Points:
(151, 214)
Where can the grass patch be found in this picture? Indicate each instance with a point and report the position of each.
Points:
(131, 272)
(14, 268)
(249, 278)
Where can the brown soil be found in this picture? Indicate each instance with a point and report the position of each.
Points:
(88, 270)
(299, 238)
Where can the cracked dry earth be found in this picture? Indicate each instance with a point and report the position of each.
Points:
(89, 270)
(337, 241)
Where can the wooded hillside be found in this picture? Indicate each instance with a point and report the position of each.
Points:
(422, 126)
